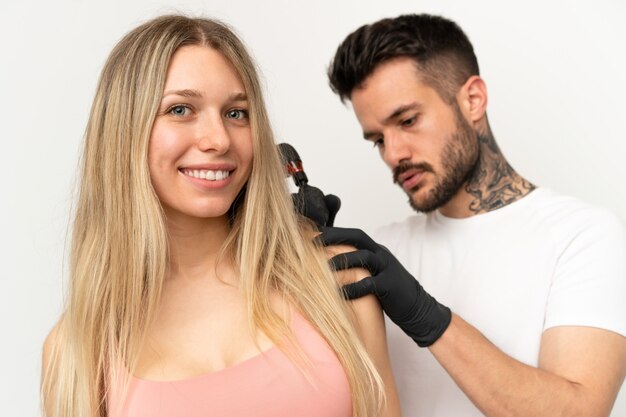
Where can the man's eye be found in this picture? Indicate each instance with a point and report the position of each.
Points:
(179, 110)
(378, 143)
(238, 114)
(409, 122)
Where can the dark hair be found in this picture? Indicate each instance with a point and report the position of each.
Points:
(443, 54)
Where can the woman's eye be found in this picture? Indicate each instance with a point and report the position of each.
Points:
(179, 110)
(238, 114)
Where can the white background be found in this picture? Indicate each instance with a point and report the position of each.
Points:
(555, 74)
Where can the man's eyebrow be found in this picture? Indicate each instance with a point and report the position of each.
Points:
(367, 135)
(398, 111)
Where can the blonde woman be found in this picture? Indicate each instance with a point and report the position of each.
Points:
(194, 289)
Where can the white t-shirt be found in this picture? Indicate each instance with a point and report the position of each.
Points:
(543, 261)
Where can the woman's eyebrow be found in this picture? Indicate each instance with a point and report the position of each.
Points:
(183, 93)
(240, 96)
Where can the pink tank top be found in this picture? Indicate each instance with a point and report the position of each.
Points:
(268, 384)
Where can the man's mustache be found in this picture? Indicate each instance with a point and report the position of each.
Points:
(405, 166)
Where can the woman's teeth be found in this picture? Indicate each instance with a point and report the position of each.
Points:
(206, 174)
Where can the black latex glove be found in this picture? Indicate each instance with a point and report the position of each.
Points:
(403, 299)
(312, 203)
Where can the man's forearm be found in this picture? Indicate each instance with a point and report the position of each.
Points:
(502, 386)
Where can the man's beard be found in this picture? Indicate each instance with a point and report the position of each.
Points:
(459, 159)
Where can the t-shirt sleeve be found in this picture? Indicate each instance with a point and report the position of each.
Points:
(589, 281)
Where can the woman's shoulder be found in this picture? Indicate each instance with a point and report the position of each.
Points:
(49, 343)
(48, 368)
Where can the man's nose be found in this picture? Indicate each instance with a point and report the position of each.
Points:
(396, 150)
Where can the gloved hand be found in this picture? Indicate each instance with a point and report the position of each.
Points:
(312, 203)
(403, 299)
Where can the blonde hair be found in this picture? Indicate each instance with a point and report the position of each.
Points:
(119, 251)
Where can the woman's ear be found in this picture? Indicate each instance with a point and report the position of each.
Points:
(472, 99)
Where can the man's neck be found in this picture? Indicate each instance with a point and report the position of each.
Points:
(492, 184)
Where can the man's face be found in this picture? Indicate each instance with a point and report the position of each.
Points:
(428, 144)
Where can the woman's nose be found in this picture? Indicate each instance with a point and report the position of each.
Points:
(213, 136)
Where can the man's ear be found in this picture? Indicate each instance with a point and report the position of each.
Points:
(472, 98)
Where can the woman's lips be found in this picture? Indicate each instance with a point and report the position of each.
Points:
(208, 178)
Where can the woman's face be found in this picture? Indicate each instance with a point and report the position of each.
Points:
(200, 150)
